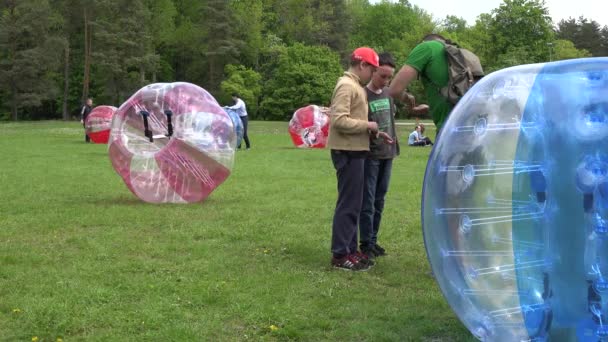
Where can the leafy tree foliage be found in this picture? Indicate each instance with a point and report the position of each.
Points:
(585, 34)
(278, 54)
(303, 75)
(28, 54)
(245, 82)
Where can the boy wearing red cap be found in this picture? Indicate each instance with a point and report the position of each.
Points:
(348, 140)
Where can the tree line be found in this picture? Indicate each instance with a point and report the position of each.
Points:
(278, 55)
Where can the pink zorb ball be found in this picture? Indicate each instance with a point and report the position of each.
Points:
(98, 124)
(172, 143)
(309, 127)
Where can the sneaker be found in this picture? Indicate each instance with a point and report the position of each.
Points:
(349, 263)
(378, 251)
(364, 259)
(369, 251)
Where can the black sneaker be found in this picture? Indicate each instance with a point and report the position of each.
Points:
(349, 263)
(369, 251)
(364, 259)
(378, 251)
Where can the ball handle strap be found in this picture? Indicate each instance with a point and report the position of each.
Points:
(169, 114)
(147, 131)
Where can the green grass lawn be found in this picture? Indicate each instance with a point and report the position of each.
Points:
(81, 258)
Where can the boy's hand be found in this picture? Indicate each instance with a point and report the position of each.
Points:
(387, 138)
(372, 127)
(420, 109)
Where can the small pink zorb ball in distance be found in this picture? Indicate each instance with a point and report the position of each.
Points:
(309, 127)
(172, 143)
(98, 124)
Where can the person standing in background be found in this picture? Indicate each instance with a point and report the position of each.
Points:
(241, 109)
(84, 112)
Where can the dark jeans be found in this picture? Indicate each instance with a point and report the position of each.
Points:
(245, 121)
(377, 176)
(349, 167)
(86, 136)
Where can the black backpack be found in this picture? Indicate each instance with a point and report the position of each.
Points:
(464, 69)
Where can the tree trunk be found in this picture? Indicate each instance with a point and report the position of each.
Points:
(12, 59)
(87, 57)
(142, 76)
(14, 103)
(66, 83)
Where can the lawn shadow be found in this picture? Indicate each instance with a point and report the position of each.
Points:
(135, 201)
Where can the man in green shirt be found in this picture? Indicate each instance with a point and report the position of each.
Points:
(429, 61)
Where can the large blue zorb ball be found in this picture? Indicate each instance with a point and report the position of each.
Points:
(515, 204)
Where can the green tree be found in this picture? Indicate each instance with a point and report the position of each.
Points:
(387, 26)
(163, 14)
(585, 34)
(522, 29)
(454, 24)
(126, 58)
(221, 45)
(304, 75)
(246, 82)
(311, 22)
(249, 28)
(29, 57)
(565, 49)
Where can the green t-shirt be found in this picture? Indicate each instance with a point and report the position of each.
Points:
(429, 59)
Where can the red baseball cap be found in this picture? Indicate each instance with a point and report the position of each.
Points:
(368, 55)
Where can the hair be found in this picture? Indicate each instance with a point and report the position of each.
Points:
(235, 94)
(386, 59)
(433, 36)
(355, 62)
(436, 36)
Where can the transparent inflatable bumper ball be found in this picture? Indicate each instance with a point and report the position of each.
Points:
(309, 127)
(515, 204)
(98, 124)
(172, 143)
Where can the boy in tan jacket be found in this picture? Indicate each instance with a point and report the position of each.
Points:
(348, 140)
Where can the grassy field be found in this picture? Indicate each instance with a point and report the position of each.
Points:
(81, 258)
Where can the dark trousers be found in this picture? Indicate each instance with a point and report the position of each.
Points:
(377, 176)
(245, 137)
(86, 136)
(349, 167)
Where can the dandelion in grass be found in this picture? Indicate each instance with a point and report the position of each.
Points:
(273, 328)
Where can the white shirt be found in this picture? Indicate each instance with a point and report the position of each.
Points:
(239, 107)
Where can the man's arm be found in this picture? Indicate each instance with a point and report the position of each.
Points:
(402, 80)
(236, 106)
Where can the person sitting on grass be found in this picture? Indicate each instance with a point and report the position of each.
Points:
(427, 140)
(416, 138)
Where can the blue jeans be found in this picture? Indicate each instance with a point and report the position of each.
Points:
(377, 175)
